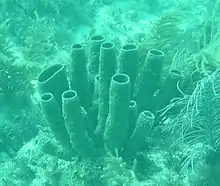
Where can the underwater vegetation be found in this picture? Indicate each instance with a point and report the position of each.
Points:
(109, 93)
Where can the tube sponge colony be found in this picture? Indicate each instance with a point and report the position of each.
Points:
(81, 118)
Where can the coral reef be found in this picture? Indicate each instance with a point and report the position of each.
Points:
(114, 134)
(99, 92)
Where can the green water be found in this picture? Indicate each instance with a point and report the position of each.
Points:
(109, 93)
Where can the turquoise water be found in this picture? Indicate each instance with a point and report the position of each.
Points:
(109, 93)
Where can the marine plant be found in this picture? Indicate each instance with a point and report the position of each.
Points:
(197, 123)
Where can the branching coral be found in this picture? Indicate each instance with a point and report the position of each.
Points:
(170, 34)
(204, 56)
(207, 58)
(198, 121)
(166, 32)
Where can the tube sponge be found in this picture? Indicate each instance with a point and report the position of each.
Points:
(132, 116)
(128, 62)
(94, 51)
(149, 80)
(55, 120)
(142, 130)
(107, 68)
(79, 75)
(93, 62)
(75, 123)
(53, 80)
(117, 124)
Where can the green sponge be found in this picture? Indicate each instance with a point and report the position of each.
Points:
(74, 117)
(149, 80)
(79, 74)
(117, 124)
(128, 62)
(55, 120)
(107, 68)
(142, 130)
(53, 80)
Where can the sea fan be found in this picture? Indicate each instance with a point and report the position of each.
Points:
(163, 31)
(198, 123)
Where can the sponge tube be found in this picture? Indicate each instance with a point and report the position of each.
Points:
(75, 123)
(132, 116)
(149, 80)
(107, 68)
(93, 62)
(53, 80)
(79, 75)
(117, 124)
(94, 51)
(128, 62)
(55, 120)
(142, 130)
